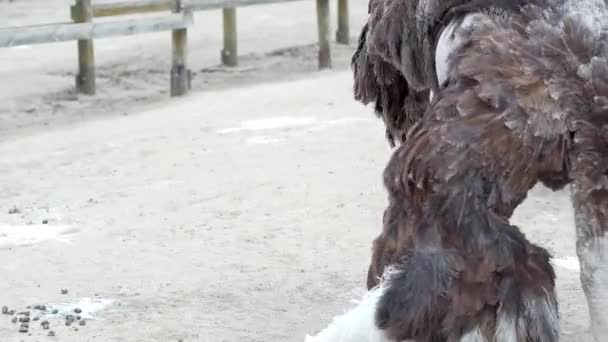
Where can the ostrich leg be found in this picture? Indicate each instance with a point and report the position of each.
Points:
(591, 209)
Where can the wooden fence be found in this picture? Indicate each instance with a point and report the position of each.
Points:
(179, 16)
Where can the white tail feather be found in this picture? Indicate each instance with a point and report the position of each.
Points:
(355, 325)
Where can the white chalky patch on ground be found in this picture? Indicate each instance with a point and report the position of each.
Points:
(282, 122)
(28, 234)
(569, 263)
(89, 306)
(263, 139)
(270, 123)
(304, 124)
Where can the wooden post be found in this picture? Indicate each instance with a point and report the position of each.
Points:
(180, 75)
(229, 53)
(343, 34)
(85, 80)
(323, 28)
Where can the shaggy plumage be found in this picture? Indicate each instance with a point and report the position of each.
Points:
(526, 100)
(394, 63)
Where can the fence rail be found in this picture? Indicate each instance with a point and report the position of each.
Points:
(61, 32)
(179, 17)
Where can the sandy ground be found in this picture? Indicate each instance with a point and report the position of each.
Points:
(243, 212)
(276, 42)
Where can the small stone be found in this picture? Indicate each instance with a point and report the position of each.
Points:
(11, 312)
(54, 312)
(25, 325)
(45, 221)
(23, 329)
(51, 333)
(36, 319)
(78, 318)
(64, 291)
(5, 310)
(68, 323)
(14, 320)
(82, 323)
(75, 329)
(14, 210)
(42, 308)
(24, 319)
(25, 313)
(77, 310)
(69, 318)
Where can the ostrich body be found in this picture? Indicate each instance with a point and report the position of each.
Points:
(523, 99)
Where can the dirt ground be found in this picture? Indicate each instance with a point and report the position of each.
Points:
(242, 212)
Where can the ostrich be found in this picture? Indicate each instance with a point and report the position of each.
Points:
(524, 99)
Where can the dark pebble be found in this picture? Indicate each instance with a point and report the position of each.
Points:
(45, 327)
(23, 330)
(54, 312)
(82, 323)
(69, 318)
(51, 333)
(77, 310)
(24, 319)
(11, 312)
(36, 319)
(45, 221)
(25, 325)
(64, 291)
(68, 323)
(5, 310)
(29, 307)
(75, 329)
(25, 313)
(14, 210)
(78, 318)
(14, 320)
(42, 308)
